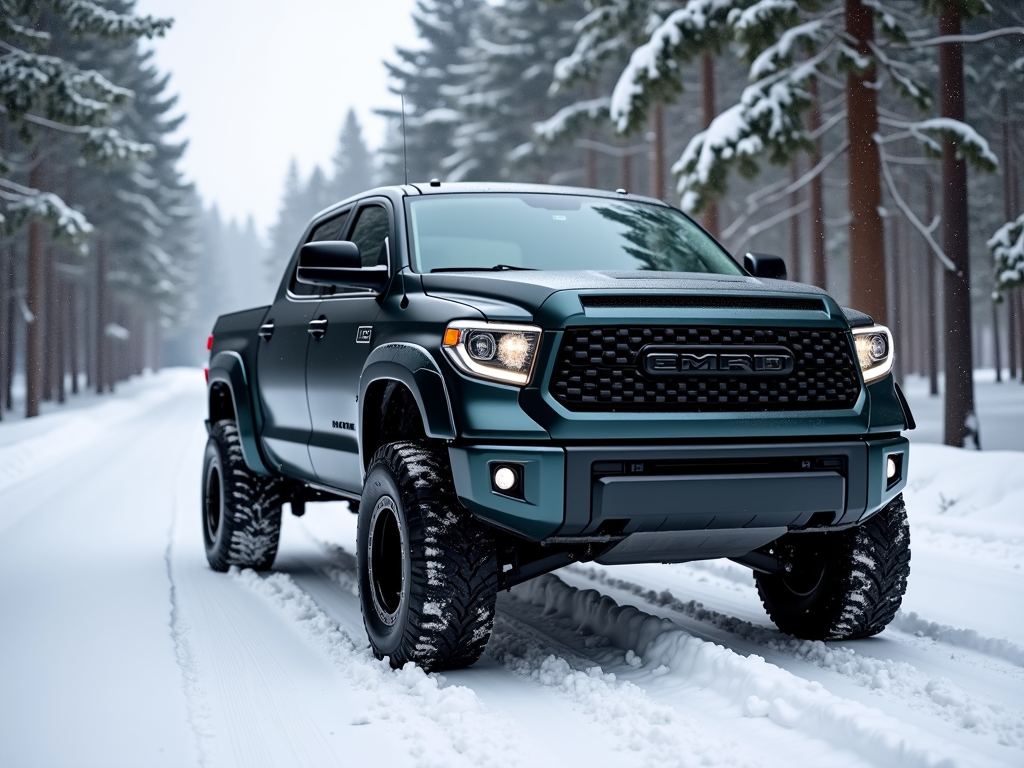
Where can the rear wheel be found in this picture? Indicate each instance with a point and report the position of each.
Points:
(428, 572)
(241, 510)
(842, 585)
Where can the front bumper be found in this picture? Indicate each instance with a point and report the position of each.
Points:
(580, 492)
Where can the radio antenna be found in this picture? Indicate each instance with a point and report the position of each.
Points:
(405, 143)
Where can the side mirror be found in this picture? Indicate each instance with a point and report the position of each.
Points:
(338, 263)
(765, 265)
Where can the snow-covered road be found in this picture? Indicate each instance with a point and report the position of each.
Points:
(118, 645)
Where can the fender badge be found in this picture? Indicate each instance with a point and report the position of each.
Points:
(363, 334)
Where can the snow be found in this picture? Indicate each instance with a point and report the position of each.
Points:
(121, 647)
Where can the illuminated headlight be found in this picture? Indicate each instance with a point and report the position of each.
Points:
(874, 351)
(497, 351)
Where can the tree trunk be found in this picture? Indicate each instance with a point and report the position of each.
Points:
(894, 304)
(73, 336)
(961, 421)
(1009, 209)
(904, 296)
(867, 231)
(708, 89)
(6, 291)
(60, 326)
(795, 273)
(626, 169)
(932, 319)
(49, 326)
(101, 315)
(33, 334)
(658, 153)
(7, 374)
(819, 273)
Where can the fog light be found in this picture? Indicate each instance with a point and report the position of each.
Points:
(504, 479)
(890, 468)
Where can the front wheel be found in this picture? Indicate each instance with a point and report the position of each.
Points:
(843, 585)
(428, 573)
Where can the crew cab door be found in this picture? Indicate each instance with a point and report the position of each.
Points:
(335, 360)
(281, 366)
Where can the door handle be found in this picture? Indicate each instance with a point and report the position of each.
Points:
(266, 330)
(317, 328)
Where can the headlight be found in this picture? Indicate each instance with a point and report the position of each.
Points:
(496, 351)
(874, 351)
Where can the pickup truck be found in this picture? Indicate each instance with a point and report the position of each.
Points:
(506, 379)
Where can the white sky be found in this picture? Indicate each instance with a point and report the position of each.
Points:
(264, 81)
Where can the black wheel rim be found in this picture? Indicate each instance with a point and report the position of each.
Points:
(212, 503)
(386, 560)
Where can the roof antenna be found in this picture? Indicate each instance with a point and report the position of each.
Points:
(405, 143)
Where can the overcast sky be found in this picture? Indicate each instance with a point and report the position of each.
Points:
(264, 81)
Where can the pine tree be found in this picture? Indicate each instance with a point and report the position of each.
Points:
(291, 220)
(353, 163)
(426, 76)
(508, 71)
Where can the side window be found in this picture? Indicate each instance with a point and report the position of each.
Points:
(372, 228)
(332, 229)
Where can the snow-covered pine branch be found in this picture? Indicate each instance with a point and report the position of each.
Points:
(1007, 246)
(653, 69)
(85, 17)
(768, 118)
(970, 145)
(570, 119)
(19, 203)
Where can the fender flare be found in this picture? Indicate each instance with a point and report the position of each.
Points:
(413, 366)
(228, 368)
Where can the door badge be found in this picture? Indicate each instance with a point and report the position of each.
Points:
(363, 334)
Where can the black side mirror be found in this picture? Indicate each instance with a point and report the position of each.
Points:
(765, 265)
(338, 263)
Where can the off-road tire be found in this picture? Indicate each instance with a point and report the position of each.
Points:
(428, 587)
(241, 510)
(844, 585)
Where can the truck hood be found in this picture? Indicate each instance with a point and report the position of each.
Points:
(519, 296)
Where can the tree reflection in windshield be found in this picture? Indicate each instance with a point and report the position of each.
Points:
(658, 241)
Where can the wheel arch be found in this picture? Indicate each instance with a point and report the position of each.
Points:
(411, 367)
(228, 397)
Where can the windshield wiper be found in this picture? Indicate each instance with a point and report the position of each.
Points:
(495, 268)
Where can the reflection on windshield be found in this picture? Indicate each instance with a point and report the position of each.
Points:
(657, 241)
(558, 232)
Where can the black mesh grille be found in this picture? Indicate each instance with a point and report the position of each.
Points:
(597, 369)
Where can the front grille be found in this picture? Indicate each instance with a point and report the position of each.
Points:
(597, 370)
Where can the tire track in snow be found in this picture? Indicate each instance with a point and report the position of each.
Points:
(755, 687)
(442, 725)
(896, 681)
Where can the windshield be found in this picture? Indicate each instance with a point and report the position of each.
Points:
(565, 232)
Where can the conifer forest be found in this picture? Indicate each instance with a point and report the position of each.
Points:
(877, 145)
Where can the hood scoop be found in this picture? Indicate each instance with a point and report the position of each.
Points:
(621, 301)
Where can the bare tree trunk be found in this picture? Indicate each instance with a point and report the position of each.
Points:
(867, 231)
(60, 326)
(73, 335)
(6, 329)
(590, 161)
(33, 335)
(932, 319)
(961, 421)
(658, 153)
(7, 373)
(894, 305)
(1011, 332)
(101, 315)
(50, 326)
(819, 272)
(795, 272)
(901, 293)
(711, 223)
(627, 171)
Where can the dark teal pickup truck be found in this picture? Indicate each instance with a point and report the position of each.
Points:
(505, 379)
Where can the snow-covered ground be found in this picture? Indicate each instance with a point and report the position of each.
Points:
(118, 645)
